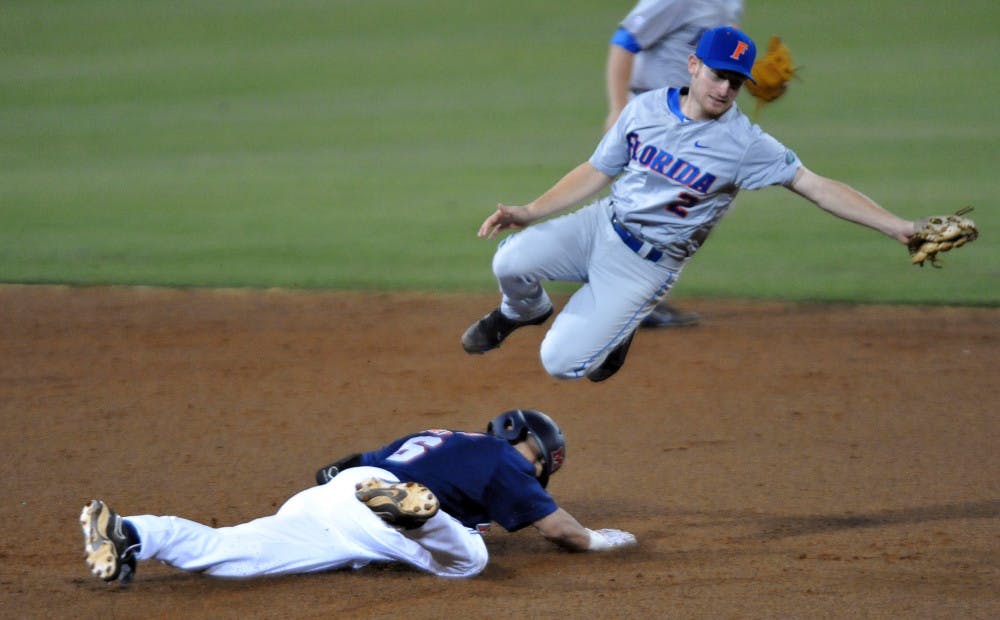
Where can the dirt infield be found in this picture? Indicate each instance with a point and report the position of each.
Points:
(778, 461)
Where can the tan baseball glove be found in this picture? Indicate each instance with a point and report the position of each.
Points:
(771, 73)
(941, 233)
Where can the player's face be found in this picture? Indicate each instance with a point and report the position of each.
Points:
(713, 92)
(529, 448)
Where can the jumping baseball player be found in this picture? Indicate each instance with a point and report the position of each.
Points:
(649, 50)
(675, 160)
(421, 500)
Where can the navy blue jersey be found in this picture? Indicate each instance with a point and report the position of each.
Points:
(477, 478)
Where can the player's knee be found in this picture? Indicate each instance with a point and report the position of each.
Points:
(557, 363)
(471, 561)
(512, 262)
(505, 265)
(478, 560)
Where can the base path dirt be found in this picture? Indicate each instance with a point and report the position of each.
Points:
(777, 461)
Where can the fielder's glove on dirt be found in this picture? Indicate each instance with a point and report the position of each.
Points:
(941, 233)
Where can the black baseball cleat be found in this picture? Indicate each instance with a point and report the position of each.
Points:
(406, 504)
(667, 316)
(107, 543)
(488, 332)
(613, 362)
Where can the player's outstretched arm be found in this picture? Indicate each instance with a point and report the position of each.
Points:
(848, 203)
(580, 183)
(564, 530)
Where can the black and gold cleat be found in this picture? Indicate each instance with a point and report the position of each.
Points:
(406, 504)
(108, 547)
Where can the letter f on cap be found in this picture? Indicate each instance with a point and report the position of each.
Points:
(727, 49)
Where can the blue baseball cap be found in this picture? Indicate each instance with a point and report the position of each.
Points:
(727, 49)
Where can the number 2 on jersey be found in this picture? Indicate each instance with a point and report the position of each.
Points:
(682, 205)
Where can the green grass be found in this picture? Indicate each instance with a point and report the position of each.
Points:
(342, 144)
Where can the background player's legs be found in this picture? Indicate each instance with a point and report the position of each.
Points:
(669, 315)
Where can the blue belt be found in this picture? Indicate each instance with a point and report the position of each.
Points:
(640, 247)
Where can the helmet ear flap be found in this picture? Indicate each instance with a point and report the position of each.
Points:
(512, 426)
(517, 424)
(509, 425)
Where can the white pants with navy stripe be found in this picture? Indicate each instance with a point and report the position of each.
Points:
(321, 528)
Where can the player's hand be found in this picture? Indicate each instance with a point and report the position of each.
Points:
(908, 233)
(505, 218)
(602, 540)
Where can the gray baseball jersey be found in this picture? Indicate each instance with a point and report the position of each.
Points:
(677, 178)
(666, 33)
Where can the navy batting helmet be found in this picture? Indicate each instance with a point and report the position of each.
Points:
(517, 424)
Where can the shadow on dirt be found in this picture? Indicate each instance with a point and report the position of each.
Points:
(774, 528)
